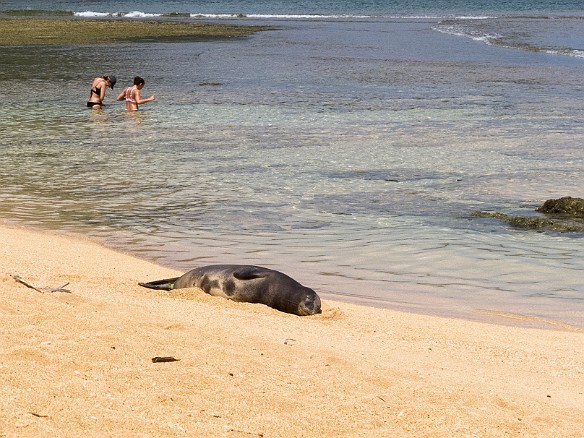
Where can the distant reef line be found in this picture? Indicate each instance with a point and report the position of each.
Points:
(66, 13)
(21, 31)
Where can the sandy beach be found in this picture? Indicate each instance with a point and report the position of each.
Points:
(79, 363)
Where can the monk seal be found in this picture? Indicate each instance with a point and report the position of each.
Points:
(247, 283)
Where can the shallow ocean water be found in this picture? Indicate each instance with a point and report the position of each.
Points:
(348, 154)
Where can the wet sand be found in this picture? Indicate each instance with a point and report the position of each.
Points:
(80, 363)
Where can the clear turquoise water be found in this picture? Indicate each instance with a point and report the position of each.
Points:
(348, 153)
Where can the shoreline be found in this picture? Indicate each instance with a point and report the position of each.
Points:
(437, 308)
(82, 361)
(22, 31)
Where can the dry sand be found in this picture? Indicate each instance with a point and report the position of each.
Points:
(80, 363)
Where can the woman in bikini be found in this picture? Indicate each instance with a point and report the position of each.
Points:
(97, 93)
(132, 95)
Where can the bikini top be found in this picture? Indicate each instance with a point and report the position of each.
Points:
(129, 97)
(95, 90)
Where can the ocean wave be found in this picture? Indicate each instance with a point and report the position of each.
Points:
(283, 16)
(566, 51)
(453, 29)
(520, 33)
(139, 14)
(231, 16)
(92, 14)
(132, 14)
(461, 29)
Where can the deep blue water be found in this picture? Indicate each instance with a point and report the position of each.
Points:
(380, 8)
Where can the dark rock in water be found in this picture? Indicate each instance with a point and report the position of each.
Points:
(564, 214)
(565, 206)
(535, 222)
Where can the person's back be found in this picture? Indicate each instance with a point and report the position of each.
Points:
(132, 95)
(131, 104)
(97, 93)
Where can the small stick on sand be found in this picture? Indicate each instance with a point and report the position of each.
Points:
(20, 280)
(57, 289)
(61, 289)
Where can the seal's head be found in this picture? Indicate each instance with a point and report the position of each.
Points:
(310, 305)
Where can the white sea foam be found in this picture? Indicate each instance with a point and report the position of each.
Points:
(133, 14)
(280, 16)
(476, 35)
(257, 16)
(565, 52)
(478, 17)
(92, 14)
(308, 16)
(218, 16)
(138, 14)
(497, 39)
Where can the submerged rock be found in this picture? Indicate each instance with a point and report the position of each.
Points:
(564, 214)
(564, 206)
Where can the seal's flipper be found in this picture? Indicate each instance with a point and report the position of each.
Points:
(166, 284)
(250, 272)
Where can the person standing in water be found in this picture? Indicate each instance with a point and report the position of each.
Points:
(132, 95)
(97, 93)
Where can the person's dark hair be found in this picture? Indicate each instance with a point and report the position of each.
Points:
(138, 80)
(112, 80)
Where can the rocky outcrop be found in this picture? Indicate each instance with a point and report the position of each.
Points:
(567, 206)
(564, 214)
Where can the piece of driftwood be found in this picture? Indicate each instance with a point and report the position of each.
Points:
(41, 290)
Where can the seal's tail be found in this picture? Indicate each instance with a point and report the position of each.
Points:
(166, 284)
